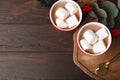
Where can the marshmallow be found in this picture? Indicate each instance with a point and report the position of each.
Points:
(72, 21)
(60, 23)
(99, 47)
(90, 36)
(85, 45)
(102, 33)
(72, 8)
(62, 13)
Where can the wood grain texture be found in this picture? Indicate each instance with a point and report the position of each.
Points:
(39, 66)
(25, 37)
(89, 63)
(32, 16)
(31, 48)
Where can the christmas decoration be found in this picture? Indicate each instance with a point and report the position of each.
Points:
(112, 11)
(84, 2)
(101, 13)
(86, 9)
(115, 32)
(118, 4)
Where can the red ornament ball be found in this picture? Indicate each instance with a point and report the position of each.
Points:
(115, 32)
(87, 8)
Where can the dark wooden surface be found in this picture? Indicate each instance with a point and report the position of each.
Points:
(31, 48)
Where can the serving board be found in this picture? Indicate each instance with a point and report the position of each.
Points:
(88, 63)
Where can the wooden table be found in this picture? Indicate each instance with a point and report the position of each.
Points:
(31, 48)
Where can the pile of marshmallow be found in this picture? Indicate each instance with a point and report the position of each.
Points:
(94, 40)
(66, 17)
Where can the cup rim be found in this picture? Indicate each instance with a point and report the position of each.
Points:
(102, 26)
(68, 29)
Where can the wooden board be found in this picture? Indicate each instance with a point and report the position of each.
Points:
(89, 63)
